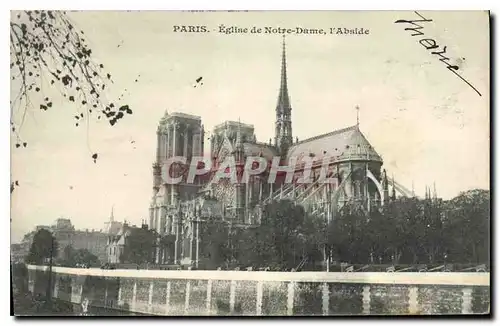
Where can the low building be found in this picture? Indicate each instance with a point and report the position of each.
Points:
(116, 244)
(95, 241)
(92, 240)
(131, 245)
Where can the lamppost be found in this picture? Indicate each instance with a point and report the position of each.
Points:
(49, 289)
(327, 230)
(177, 233)
(197, 217)
(230, 240)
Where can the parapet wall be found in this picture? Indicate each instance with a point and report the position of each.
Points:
(159, 292)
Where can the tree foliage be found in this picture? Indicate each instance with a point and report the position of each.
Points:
(467, 222)
(43, 247)
(285, 237)
(76, 257)
(406, 231)
(413, 231)
(215, 251)
(48, 51)
(139, 246)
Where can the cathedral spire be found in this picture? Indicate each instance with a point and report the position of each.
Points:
(283, 135)
(112, 216)
(283, 98)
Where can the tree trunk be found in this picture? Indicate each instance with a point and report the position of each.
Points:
(474, 255)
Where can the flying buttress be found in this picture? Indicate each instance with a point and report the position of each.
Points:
(370, 176)
(401, 189)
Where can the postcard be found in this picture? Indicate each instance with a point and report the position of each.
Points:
(250, 163)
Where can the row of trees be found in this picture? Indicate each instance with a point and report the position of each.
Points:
(407, 231)
(78, 257)
(45, 249)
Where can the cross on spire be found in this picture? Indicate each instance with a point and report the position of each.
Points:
(357, 115)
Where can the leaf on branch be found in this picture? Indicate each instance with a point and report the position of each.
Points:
(47, 42)
(67, 80)
(126, 109)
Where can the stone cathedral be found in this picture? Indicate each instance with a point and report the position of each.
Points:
(177, 210)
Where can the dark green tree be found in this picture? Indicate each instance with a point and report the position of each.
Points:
(139, 246)
(467, 220)
(72, 257)
(282, 239)
(214, 248)
(399, 228)
(43, 247)
(85, 257)
(348, 237)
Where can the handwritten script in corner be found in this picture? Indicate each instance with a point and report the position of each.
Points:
(432, 45)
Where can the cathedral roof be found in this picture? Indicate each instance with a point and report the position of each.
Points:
(256, 149)
(114, 227)
(344, 144)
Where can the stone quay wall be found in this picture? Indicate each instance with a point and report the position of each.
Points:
(259, 293)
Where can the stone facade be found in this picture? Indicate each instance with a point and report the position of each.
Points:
(175, 209)
(253, 293)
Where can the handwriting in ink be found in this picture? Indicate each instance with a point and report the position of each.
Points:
(431, 44)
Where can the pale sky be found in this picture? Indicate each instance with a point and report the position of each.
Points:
(426, 123)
